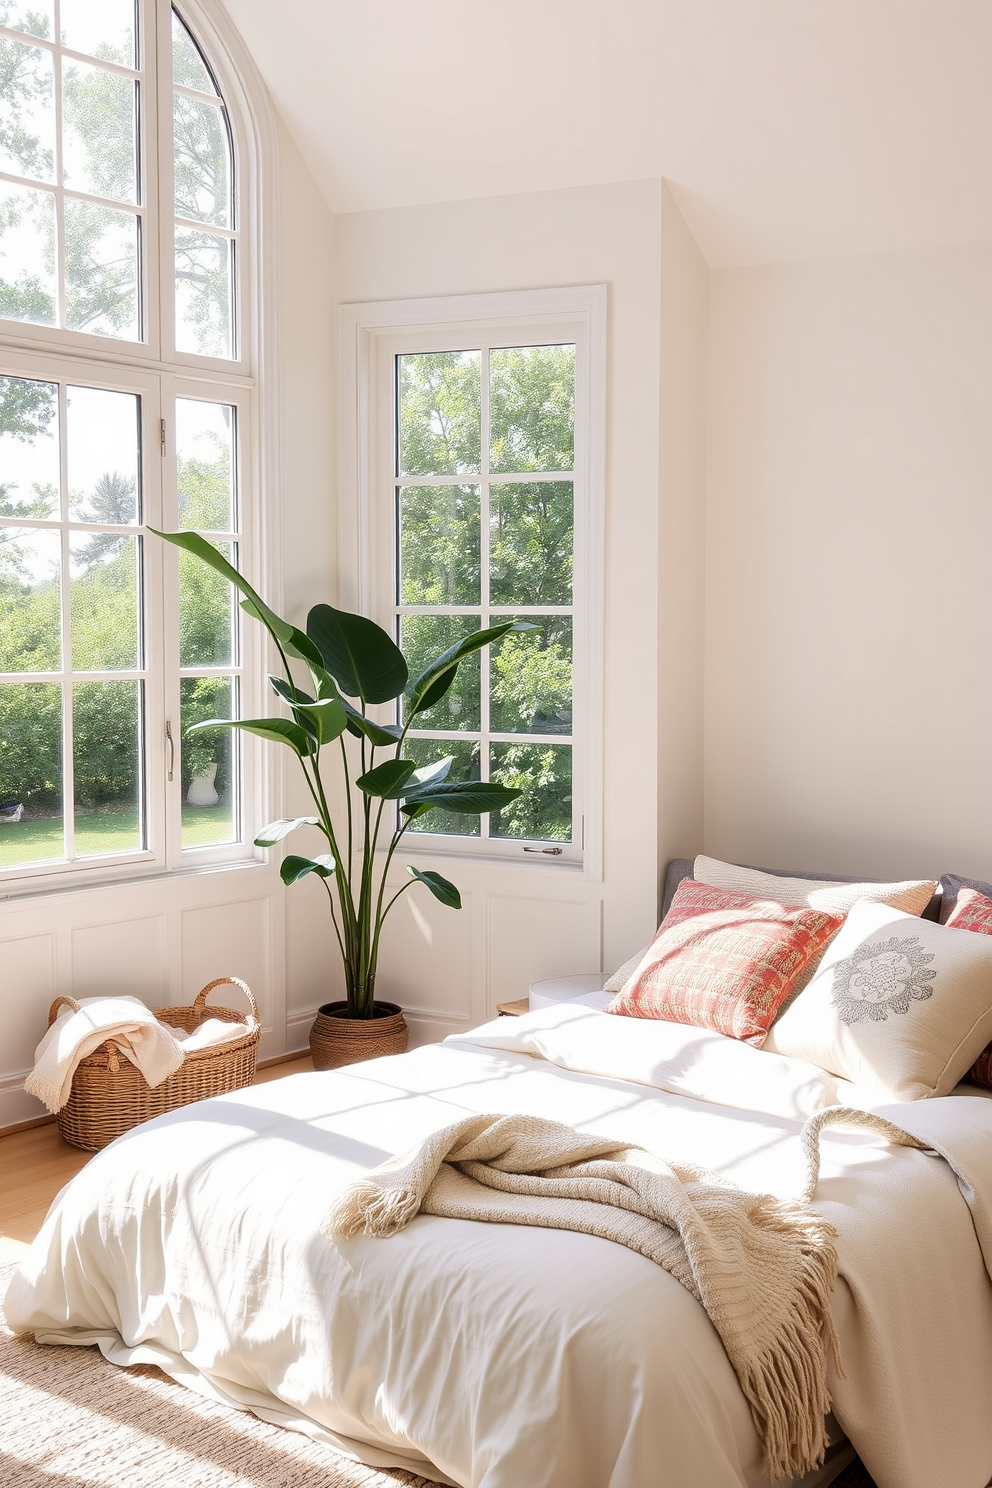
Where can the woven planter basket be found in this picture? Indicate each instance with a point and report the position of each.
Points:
(110, 1094)
(336, 1039)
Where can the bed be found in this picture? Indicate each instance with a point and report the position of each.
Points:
(498, 1356)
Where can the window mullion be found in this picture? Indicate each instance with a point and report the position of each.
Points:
(485, 664)
(60, 255)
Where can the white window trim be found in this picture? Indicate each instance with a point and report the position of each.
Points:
(370, 335)
(155, 371)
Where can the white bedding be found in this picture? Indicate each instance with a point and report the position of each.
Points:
(511, 1357)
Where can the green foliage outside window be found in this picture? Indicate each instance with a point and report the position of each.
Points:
(528, 676)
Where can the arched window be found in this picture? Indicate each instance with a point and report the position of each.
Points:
(126, 383)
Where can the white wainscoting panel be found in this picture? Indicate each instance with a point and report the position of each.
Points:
(228, 940)
(160, 940)
(425, 963)
(125, 958)
(27, 969)
(531, 938)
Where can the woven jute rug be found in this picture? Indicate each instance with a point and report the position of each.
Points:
(68, 1419)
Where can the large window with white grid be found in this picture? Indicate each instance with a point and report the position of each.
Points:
(126, 402)
(485, 468)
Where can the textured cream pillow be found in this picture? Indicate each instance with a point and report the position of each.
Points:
(899, 1005)
(913, 895)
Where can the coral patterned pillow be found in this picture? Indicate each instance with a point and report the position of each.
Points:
(973, 911)
(724, 961)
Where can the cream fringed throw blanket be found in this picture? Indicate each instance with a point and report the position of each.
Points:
(762, 1267)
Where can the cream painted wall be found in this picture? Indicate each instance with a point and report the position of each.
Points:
(308, 358)
(630, 237)
(849, 533)
(683, 348)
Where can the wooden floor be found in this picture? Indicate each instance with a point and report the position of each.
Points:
(36, 1163)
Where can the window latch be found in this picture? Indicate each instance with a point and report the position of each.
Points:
(172, 746)
(552, 852)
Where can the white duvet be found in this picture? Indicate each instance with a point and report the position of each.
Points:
(514, 1357)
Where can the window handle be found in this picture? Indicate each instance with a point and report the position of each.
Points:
(172, 746)
(552, 852)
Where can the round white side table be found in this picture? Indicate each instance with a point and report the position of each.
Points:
(564, 989)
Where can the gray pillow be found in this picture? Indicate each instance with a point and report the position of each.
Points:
(949, 885)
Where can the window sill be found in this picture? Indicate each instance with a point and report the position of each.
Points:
(44, 889)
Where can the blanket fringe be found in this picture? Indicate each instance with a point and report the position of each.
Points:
(785, 1383)
(366, 1208)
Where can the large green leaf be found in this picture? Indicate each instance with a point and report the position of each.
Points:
(301, 646)
(289, 694)
(379, 734)
(439, 887)
(277, 830)
(327, 717)
(427, 689)
(194, 543)
(418, 808)
(323, 718)
(439, 770)
(293, 868)
(279, 729)
(360, 656)
(467, 796)
(387, 781)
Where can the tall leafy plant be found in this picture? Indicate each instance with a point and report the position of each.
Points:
(353, 665)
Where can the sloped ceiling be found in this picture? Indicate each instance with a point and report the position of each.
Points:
(787, 128)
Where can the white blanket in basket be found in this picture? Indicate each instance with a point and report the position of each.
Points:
(155, 1048)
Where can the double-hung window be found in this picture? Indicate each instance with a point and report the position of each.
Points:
(485, 468)
(126, 401)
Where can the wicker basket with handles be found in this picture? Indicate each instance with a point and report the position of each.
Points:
(110, 1094)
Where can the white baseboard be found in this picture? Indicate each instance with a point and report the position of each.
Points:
(15, 1103)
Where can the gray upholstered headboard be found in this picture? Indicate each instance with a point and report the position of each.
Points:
(680, 868)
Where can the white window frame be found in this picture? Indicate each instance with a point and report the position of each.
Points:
(371, 336)
(159, 374)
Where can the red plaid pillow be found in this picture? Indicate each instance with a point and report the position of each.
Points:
(973, 911)
(724, 961)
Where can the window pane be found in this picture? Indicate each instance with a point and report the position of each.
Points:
(202, 157)
(27, 110)
(208, 789)
(530, 543)
(532, 408)
(102, 455)
(465, 767)
(37, 17)
(104, 601)
(100, 28)
(530, 678)
(188, 67)
(439, 545)
(206, 611)
(205, 465)
(424, 637)
(203, 293)
(99, 132)
(30, 600)
(544, 773)
(30, 773)
(29, 448)
(101, 270)
(27, 254)
(440, 413)
(106, 755)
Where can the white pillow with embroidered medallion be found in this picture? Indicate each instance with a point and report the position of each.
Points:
(899, 1005)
